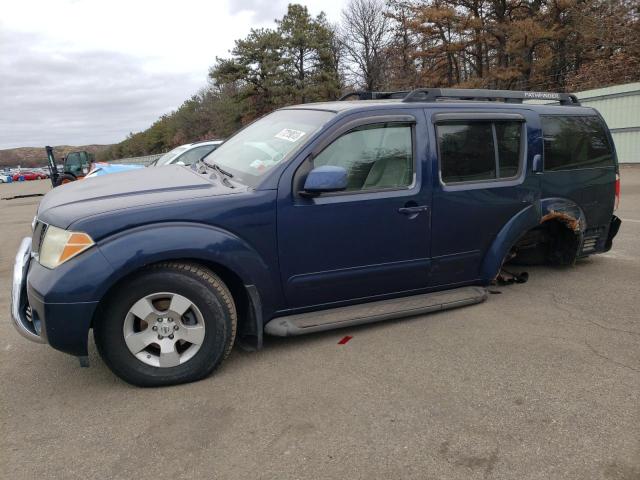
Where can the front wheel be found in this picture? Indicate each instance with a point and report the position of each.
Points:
(172, 323)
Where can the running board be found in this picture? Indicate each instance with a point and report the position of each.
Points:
(374, 312)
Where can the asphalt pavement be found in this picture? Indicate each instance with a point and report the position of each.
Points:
(542, 381)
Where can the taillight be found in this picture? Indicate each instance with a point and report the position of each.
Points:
(617, 201)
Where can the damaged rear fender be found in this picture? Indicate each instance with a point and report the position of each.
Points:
(561, 210)
(568, 213)
(565, 211)
(518, 225)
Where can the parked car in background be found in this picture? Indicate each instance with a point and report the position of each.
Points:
(5, 177)
(187, 154)
(41, 171)
(105, 168)
(314, 217)
(28, 175)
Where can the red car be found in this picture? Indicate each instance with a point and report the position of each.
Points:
(28, 176)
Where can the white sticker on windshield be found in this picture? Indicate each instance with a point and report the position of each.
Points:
(289, 134)
(262, 164)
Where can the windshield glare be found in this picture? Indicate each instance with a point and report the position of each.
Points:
(167, 157)
(261, 146)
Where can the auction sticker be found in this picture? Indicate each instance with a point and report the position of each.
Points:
(289, 134)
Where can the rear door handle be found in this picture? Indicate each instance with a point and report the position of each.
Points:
(413, 210)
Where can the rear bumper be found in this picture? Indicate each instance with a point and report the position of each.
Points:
(599, 239)
(614, 226)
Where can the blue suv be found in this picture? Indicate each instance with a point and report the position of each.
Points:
(315, 217)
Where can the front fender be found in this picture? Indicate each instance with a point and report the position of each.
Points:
(133, 249)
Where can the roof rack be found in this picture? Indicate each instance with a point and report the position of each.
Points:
(363, 95)
(438, 94)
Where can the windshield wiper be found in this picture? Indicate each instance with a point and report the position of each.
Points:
(221, 170)
(201, 166)
(217, 167)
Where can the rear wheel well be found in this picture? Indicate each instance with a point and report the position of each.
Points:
(555, 241)
(244, 308)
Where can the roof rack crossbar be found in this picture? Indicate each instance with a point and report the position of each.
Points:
(364, 95)
(435, 94)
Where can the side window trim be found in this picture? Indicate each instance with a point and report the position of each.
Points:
(483, 117)
(346, 128)
(359, 122)
(496, 154)
(477, 117)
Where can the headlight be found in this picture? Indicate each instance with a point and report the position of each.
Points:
(61, 245)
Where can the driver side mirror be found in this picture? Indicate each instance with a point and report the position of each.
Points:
(324, 179)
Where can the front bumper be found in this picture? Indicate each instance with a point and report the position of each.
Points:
(56, 306)
(21, 313)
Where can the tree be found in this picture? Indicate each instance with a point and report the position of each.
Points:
(611, 29)
(513, 44)
(365, 35)
(438, 27)
(307, 54)
(295, 63)
(257, 71)
(402, 71)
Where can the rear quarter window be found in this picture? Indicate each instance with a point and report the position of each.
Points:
(574, 142)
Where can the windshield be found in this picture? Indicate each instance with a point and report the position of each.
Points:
(255, 150)
(167, 157)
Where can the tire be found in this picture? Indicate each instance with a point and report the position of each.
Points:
(64, 179)
(211, 307)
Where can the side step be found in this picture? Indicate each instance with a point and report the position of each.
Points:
(374, 312)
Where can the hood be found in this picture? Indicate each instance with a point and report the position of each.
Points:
(135, 188)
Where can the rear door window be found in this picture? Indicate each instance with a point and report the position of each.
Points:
(479, 151)
(573, 142)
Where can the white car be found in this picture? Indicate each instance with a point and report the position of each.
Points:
(187, 154)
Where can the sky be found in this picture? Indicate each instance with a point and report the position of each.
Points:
(77, 72)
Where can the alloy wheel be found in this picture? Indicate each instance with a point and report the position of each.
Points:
(164, 329)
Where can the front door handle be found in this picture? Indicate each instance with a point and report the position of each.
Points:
(413, 210)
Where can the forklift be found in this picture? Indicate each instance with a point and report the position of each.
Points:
(74, 166)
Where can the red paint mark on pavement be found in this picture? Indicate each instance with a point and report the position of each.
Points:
(345, 340)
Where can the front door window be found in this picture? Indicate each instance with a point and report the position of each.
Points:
(375, 157)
